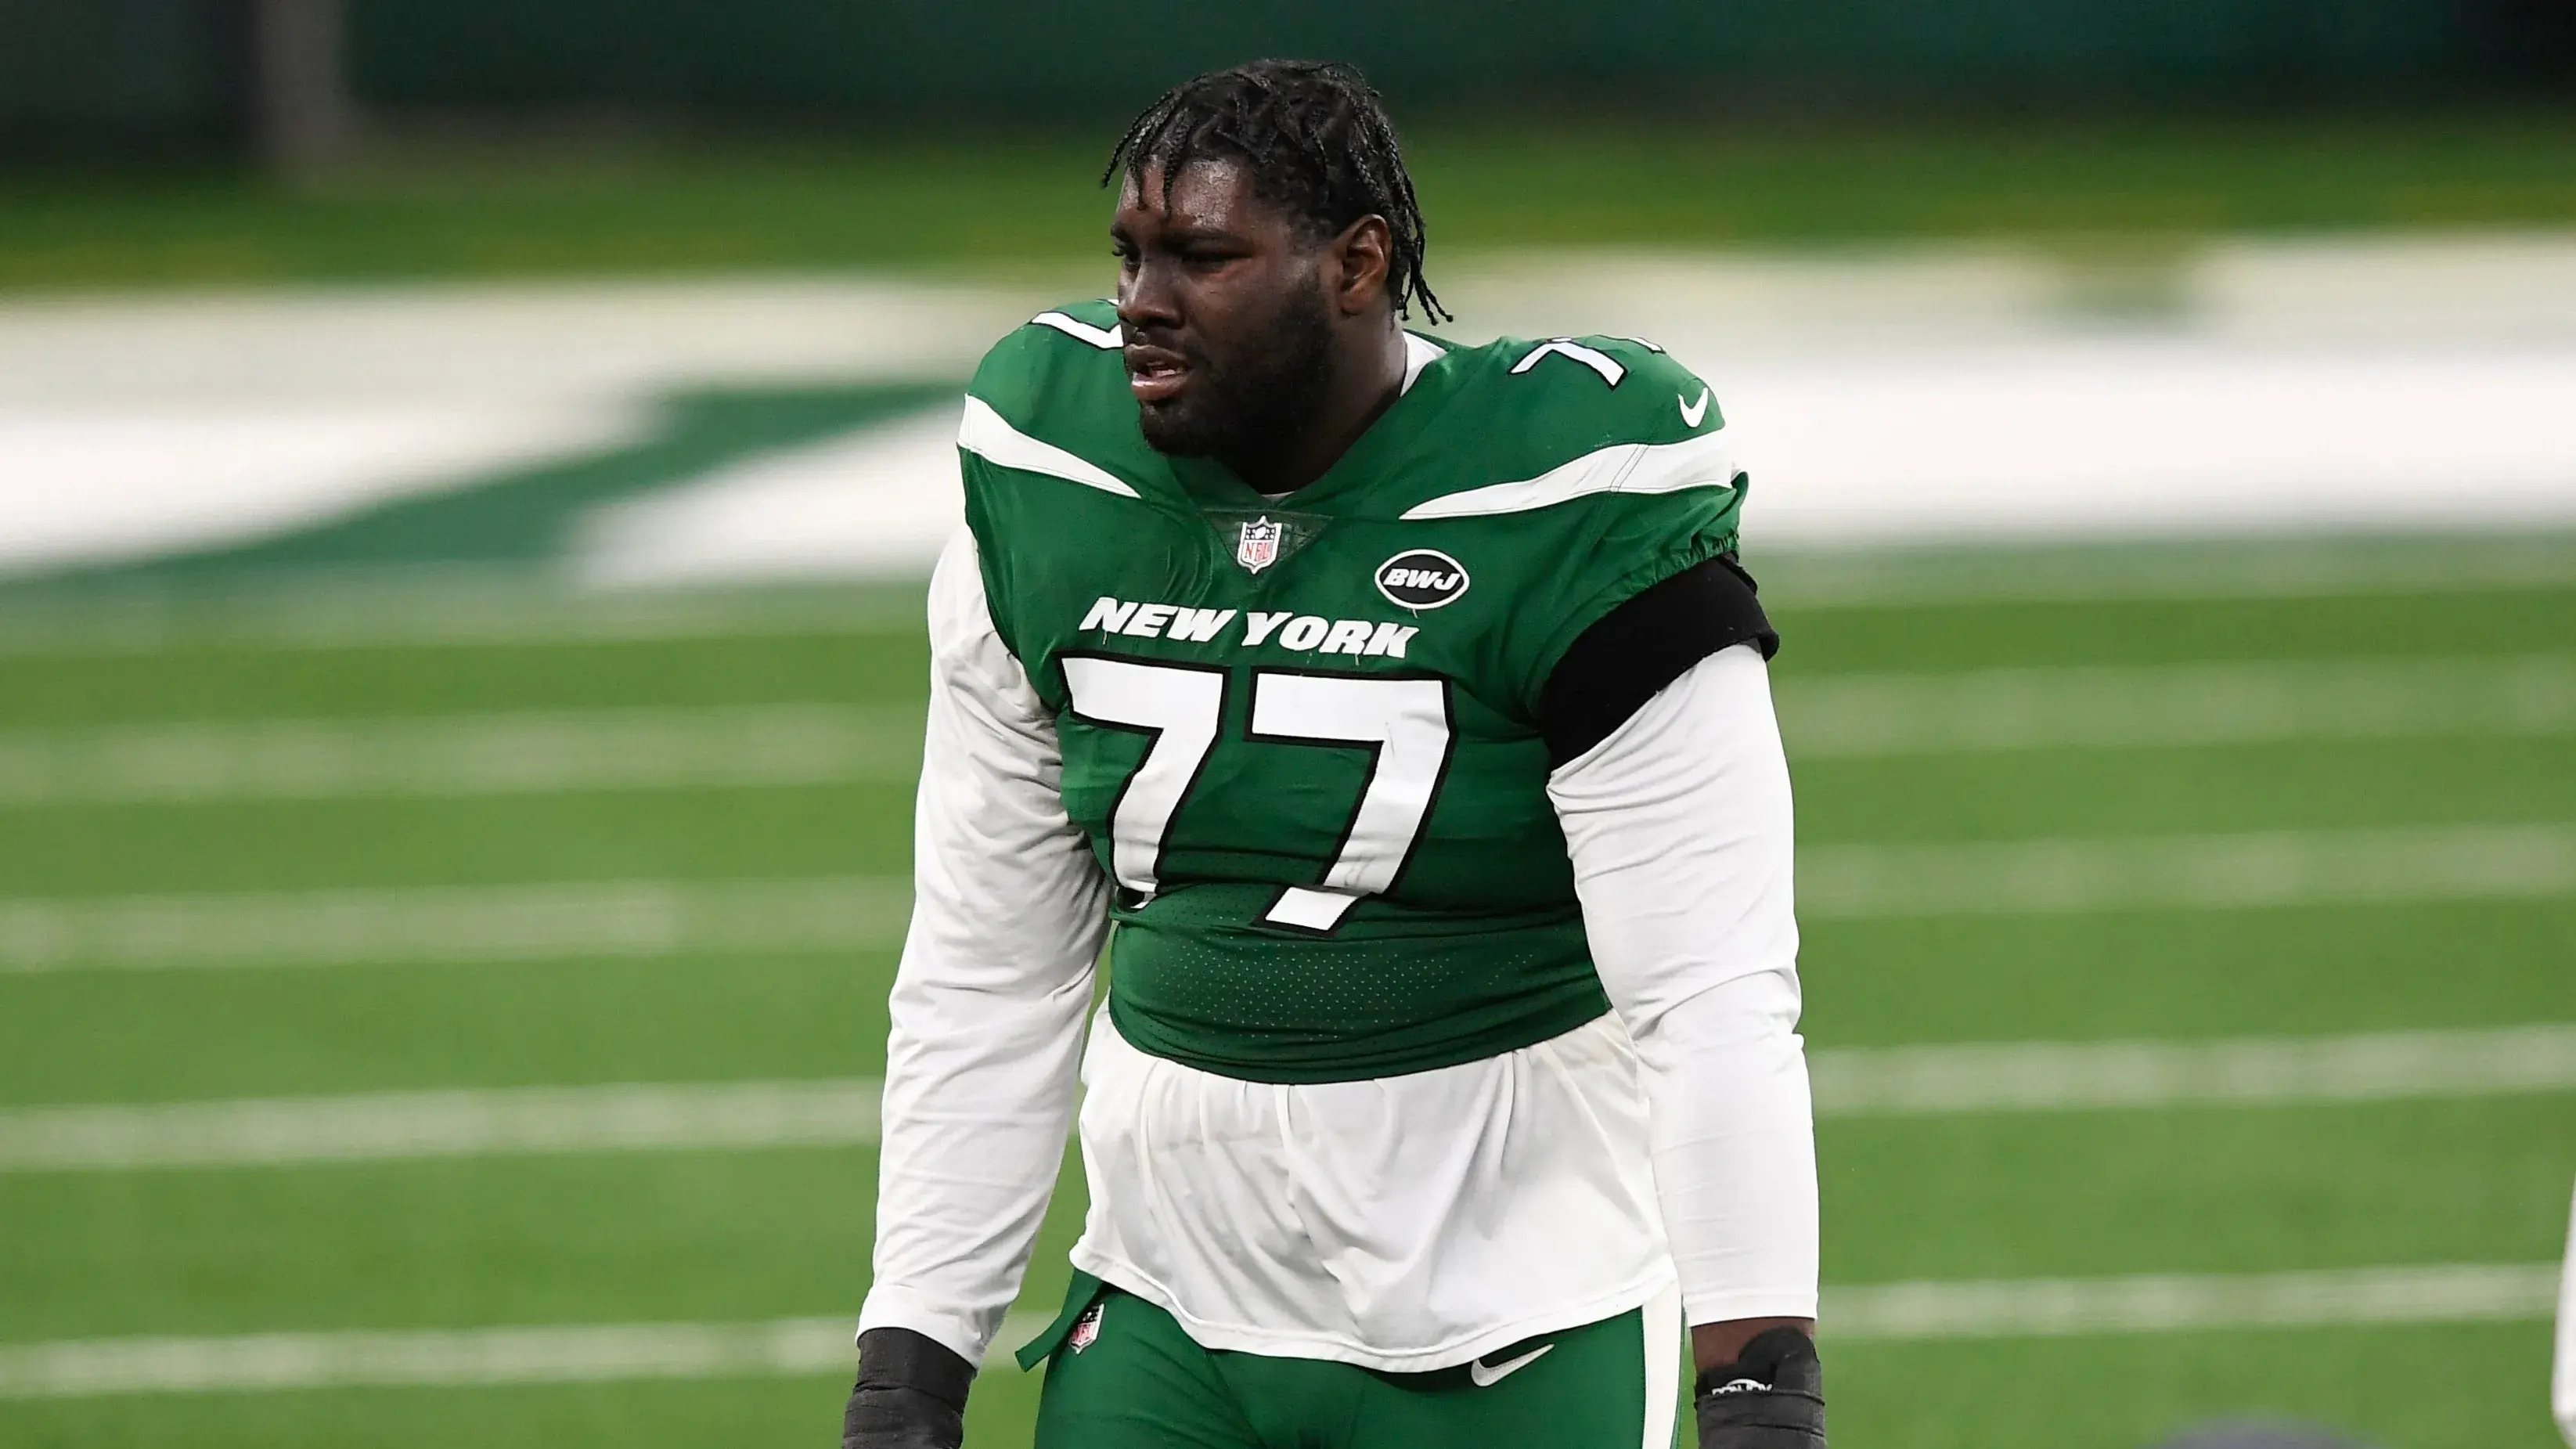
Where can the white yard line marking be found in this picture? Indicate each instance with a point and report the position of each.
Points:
(568, 1353)
(553, 1354)
(2081, 1076)
(794, 1347)
(1835, 882)
(1797, 579)
(746, 1116)
(391, 609)
(528, 1121)
(2162, 1303)
(465, 755)
(811, 744)
(455, 924)
(1849, 716)
(2199, 872)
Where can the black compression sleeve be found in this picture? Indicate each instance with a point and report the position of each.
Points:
(1644, 644)
(1771, 1397)
(911, 1393)
(900, 1358)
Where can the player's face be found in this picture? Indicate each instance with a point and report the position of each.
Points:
(1229, 336)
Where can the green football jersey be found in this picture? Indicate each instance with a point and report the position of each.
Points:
(1310, 738)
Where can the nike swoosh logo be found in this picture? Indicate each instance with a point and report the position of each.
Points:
(1486, 1378)
(1693, 412)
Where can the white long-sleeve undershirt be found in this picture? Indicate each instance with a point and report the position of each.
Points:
(2562, 1393)
(1009, 908)
(1680, 832)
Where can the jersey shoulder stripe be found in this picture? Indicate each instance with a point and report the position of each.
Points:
(1051, 397)
(1702, 462)
(986, 434)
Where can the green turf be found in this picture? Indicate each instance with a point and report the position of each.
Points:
(184, 1035)
(2310, 784)
(2288, 972)
(2081, 632)
(2445, 1389)
(756, 1235)
(761, 1412)
(311, 844)
(991, 202)
(217, 683)
(2247, 1190)
(609, 1238)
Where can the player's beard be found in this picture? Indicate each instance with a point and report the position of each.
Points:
(1255, 398)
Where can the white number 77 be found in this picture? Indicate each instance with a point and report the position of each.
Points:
(1403, 723)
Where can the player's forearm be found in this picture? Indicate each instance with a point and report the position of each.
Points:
(981, 1072)
(1715, 1345)
(1734, 1149)
(979, 1101)
(1681, 833)
(990, 999)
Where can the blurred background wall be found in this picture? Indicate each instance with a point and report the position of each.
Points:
(115, 73)
(1037, 57)
(184, 73)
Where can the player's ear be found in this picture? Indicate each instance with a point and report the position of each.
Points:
(1362, 253)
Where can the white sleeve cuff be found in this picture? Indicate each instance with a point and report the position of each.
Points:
(969, 1335)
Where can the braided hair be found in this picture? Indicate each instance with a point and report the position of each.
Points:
(1315, 138)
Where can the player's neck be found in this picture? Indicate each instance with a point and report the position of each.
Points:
(1367, 379)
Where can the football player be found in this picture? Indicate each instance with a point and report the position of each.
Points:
(1397, 714)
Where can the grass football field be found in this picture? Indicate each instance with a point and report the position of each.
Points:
(2298, 819)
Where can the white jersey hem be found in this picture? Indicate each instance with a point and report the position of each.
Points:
(1334, 1348)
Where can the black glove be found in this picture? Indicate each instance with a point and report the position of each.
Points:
(1771, 1397)
(911, 1394)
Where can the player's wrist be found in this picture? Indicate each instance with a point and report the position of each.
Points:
(1723, 1342)
(1771, 1396)
(903, 1358)
(910, 1394)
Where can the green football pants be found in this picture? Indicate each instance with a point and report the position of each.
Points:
(1140, 1383)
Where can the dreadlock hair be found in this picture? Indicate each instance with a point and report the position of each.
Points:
(1315, 138)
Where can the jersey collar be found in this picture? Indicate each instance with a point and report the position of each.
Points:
(1419, 352)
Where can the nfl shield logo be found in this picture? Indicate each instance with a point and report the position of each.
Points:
(1257, 548)
(1086, 1329)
